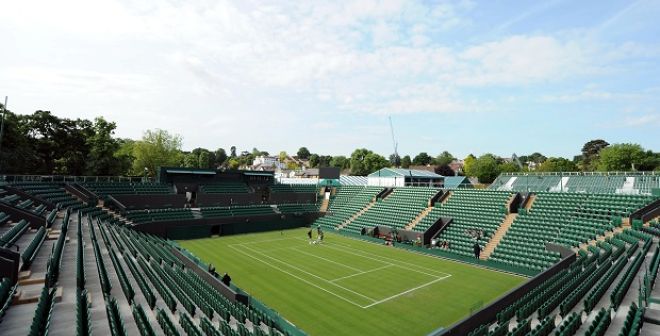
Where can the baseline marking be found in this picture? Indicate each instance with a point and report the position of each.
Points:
(297, 277)
(314, 275)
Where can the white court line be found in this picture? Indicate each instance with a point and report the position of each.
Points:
(297, 277)
(314, 275)
(328, 260)
(380, 259)
(405, 292)
(364, 272)
(262, 241)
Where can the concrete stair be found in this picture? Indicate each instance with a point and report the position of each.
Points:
(324, 205)
(497, 237)
(418, 219)
(356, 215)
(446, 198)
(530, 202)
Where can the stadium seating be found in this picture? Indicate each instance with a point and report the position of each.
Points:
(347, 205)
(396, 210)
(127, 188)
(639, 183)
(299, 188)
(225, 188)
(568, 219)
(470, 210)
(141, 216)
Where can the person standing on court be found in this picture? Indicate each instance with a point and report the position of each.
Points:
(477, 249)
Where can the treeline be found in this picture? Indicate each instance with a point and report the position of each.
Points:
(42, 143)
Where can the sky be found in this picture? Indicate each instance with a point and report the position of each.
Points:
(475, 77)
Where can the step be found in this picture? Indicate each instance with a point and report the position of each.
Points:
(497, 237)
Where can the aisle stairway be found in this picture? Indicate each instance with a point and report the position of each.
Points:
(497, 237)
(356, 215)
(324, 205)
(419, 218)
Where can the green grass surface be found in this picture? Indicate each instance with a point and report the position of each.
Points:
(350, 287)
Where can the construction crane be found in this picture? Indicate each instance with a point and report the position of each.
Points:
(395, 144)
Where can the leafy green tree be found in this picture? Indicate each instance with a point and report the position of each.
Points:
(469, 165)
(590, 153)
(124, 156)
(486, 168)
(190, 160)
(324, 160)
(651, 161)
(340, 162)
(220, 156)
(445, 158)
(102, 147)
(508, 167)
(313, 160)
(232, 150)
(158, 148)
(204, 159)
(406, 162)
(364, 162)
(422, 159)
(233, 163)
(622, 157)
(444, 170)
(282, 156)
(557, 164)
(303, 153)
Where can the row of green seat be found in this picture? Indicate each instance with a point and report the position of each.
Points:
(225, 188)
(396, 210)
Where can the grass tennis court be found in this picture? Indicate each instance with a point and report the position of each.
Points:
(350, 287)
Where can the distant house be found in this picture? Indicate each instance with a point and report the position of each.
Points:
(267, 163)
(395, 177)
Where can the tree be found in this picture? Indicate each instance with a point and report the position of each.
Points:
(444, 170)
(590, 152)
(650, 162)
(190, 160)
(220, 157)
(102, 146)
(364, 162)
(469, 165)
(283, 155)
(535, 157)
(313, 160)
(232, 150)
(508, 167)
(233, 163)
(158, 148)
(422, 159)
(324, 160)
(340, 162)
(303, 153)
(557, 164)
(204, 160)
(445, 158)
(406, 162)
(124, 156)
(486, 168)
(622, 157)
(395, 160)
